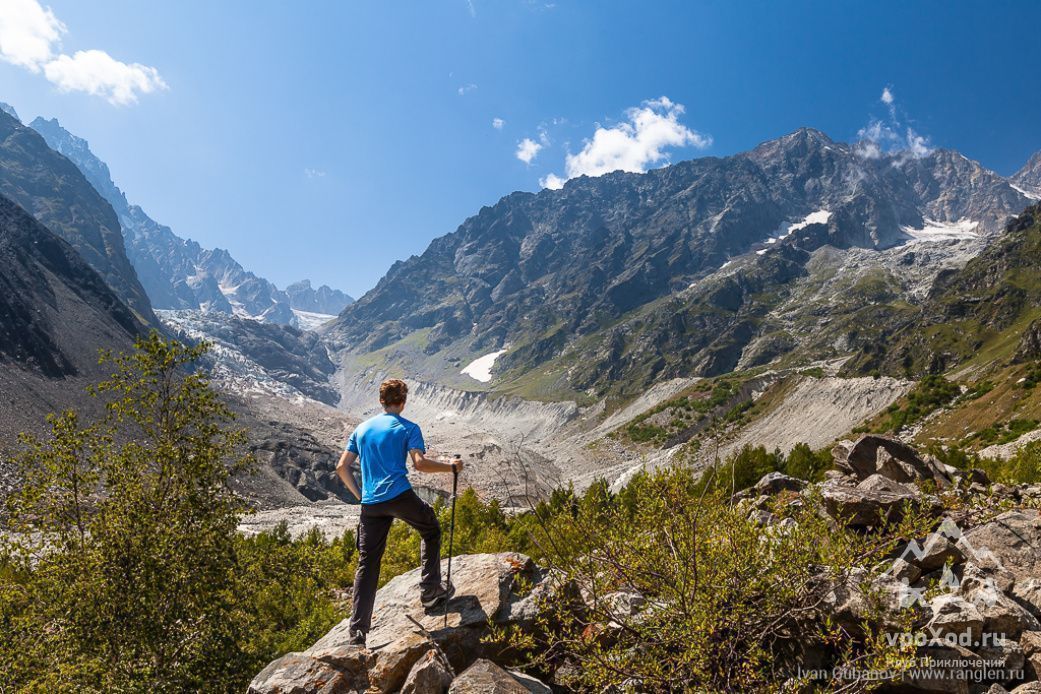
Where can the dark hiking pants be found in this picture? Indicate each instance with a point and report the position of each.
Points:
(372, 540)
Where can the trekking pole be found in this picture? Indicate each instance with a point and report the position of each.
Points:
(451, 528)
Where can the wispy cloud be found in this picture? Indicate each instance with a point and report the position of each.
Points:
(498, 123)
(466, 89)
(527, 150)
(314, 173)
(30, 36)
(472, 8)
(891, 136)
(642, 140)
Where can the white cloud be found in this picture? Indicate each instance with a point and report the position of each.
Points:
(891, 136)
(527, 150)
(314, 173)
(466, 89)
(498, 123)
(99, 74)
(472, 8)
(30, 35)
(27, 32)
(552, 181)
(642, 141)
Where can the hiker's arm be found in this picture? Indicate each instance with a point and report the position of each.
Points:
(422, 463)
(343, 469)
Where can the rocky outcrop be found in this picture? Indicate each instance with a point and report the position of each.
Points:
(485, 677)
(873, 454)
(409, 646)
(178, 273)
(970, 588)
(50, 188)
(869, 503)
(56, 312)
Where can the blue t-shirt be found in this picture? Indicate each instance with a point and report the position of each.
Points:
(382, 445)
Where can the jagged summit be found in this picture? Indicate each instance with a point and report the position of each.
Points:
(178, 273)
(55, 191)
(9, 110)
(547, 277)
(1029, 177)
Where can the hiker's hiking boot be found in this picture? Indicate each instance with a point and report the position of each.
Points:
(356, 638)
(432, 597)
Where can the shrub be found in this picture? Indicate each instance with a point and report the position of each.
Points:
(729, 606)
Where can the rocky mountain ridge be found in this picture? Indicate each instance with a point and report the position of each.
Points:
(178, 273)
(672, 271)
(56, 193)
(1029, 177)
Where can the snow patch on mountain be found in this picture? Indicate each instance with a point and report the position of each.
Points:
(309, 320)
(1033, 195)
(480, 369)
(943, 231)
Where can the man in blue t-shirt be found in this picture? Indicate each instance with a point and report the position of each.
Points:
(383, 444)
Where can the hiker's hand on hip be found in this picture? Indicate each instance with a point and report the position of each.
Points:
(457, 465)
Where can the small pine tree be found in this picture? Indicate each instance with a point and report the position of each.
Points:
(118, 573)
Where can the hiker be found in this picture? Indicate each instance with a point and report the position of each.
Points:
(383, 443)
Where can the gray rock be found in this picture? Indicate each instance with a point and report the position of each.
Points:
(876, 454)
(395, 660)
(533, 685)
(952, 614)
(888, 466)
(904, 570)
(1010, 544)
(1001, 614)
(874, 500)
(332, 672)
(774, 482)
(431, 674)
(485, 677)
(485, 591)
(937, 551)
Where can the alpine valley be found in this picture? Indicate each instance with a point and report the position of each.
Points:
(790, 294)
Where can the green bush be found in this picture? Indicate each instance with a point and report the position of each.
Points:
(929, 394)
(730, 607)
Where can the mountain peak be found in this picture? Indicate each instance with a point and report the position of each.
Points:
(1029, 177)
(810, 135)
(798, 143)
(9, 110)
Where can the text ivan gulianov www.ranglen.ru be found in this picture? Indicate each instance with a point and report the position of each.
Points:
(925, 669)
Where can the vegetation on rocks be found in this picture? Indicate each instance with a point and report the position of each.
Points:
(680, 585)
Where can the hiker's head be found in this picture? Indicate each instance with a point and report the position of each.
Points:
(393, 394)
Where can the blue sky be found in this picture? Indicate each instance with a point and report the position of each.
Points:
(329, 139)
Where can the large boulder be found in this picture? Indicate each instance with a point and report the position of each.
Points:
(486, 590)
(409, 643)
(874, 500)
(954, 615)
(1009, 545)
(312, 673)
(485, 677)
(776, 482)
(432, 674)
(875, 454)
